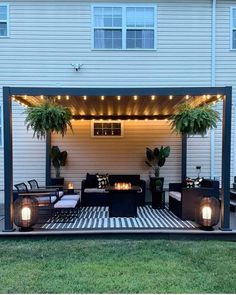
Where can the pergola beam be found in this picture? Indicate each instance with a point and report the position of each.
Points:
(194, 91)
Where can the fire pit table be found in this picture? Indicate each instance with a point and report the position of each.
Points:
(123, 200)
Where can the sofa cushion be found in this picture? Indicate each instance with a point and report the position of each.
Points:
(95, 190)
(74, 197)
(133, 179)
(66, 204)
(103, 180)
(175, 195)
(91, 180)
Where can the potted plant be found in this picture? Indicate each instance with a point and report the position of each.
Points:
(156, 159)
(194, 120)
(58, 160)
(48, 117)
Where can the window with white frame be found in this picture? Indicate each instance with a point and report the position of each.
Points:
(233, 28)
(124, 27)
(4, 20)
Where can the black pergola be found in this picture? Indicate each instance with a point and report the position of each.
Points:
(180, 92)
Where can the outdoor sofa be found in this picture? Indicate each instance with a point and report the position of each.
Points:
(183, 200)
(91, 195)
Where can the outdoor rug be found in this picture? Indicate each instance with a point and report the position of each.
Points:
(90, 218)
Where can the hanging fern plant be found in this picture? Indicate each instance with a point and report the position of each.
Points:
(48, 117)
(192, 121)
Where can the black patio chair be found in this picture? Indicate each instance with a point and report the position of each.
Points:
(34, 186)
(43, 196)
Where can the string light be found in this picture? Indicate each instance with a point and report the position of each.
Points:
(41, 96)
(170, 97)
(25, 96)
(102, 97)
(153, 97)
(208, 96)
(58, 97)
(85, 97)
(135, 97)
(118, 97)
(187, 97)
(67, 97)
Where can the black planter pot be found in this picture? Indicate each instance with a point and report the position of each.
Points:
(57, 181)
(158, 195)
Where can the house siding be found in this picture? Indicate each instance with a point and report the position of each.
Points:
(46, 37)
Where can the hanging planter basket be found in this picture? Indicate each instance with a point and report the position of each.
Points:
(192, 121)
(48, 117)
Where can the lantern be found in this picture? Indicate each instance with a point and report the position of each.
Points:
(25, 212)
(208, 213)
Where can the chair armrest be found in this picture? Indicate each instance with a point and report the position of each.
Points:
(177, 187)
(83, 185)
(44, 191)
(201, 191)
(59, 187)
(34, 194)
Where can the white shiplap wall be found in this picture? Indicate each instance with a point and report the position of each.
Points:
(124, 155)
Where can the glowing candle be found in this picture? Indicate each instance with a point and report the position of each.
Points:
(206, 212)
(26, 213)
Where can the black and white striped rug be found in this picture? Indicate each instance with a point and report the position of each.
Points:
(90, 218)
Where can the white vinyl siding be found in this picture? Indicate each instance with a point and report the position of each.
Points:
(4, 20)
(233, 28)
(1, 126)
(47, 36)
(123, 27)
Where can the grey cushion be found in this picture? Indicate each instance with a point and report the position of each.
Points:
(175, 195)
(66, 204)
(71, 197)
(46, 199)
(95, 190)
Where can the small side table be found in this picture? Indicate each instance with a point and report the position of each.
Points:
(158, 199)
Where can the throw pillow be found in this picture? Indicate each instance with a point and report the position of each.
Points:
(103, 180)
(189, 182)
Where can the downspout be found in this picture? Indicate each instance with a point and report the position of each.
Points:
(213, 83)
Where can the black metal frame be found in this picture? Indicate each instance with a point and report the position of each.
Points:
(192, 91)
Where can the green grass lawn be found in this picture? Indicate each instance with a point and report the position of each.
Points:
(117, 266)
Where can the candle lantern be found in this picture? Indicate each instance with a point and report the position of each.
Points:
(25, 212)
(208, 213)
(70, 188)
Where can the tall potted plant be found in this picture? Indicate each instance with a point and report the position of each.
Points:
(58, 160)
(156, 159)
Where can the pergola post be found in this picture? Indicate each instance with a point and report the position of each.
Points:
(8, 161)
(226, 156)
(48, 159)
(184, 158)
